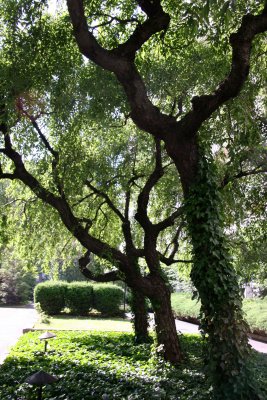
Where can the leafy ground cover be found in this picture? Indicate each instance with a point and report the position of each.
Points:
(255, 310)
(69, 322)
(101, 365)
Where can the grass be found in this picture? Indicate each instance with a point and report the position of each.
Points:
(101, 365)
(66, 322)
(255, 310)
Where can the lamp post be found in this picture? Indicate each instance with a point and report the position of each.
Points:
(41, 379)
(46, 336)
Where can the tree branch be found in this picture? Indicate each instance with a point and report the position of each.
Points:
(242, 174)
(169, 221)
(142, 202)
(60, 204)
(107, 199)
(84, 261)
(169, 260)
(120, 61)
(230, 87)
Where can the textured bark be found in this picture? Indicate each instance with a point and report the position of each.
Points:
(165, 322)
(140, 319)
(138, 299)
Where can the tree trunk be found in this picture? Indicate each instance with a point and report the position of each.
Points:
(215, 279)
(167, 338)
(140, 317)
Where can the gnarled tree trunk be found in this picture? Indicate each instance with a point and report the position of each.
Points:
(167, 337)
(140, 317)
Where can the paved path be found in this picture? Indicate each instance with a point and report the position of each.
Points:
(186, 327)
(12, 322)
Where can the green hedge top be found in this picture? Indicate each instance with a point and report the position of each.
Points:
(79, 297)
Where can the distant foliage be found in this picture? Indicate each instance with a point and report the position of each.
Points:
(79, 297)
(107, 299)
(16, 285)
(51, 296)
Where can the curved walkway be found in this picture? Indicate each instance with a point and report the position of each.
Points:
(12, 321)
(186, 327)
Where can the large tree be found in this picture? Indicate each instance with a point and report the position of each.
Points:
(122, 40)
(219, 291)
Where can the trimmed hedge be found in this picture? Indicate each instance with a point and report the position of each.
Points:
(107, 298)
(50, 296)
(79, 297)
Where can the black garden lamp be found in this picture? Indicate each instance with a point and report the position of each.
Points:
(41, 379)
(46, 336)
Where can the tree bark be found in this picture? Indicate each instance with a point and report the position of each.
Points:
(167, 337)
(140, 317)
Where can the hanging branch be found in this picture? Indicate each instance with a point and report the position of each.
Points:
(259, 169)
(60, 204)
(84, 262)
(107, 199)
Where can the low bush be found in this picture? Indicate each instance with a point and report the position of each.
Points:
(101, 365)
(51, 296)
(79, 297)
(108, 299)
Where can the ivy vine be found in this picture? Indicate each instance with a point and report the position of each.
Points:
(222, 322)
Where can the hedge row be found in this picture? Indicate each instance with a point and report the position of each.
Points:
(79, 297)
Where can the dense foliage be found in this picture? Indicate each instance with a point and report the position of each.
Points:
(16, 283)
(79, 297)
(50, 296)
(107, 298)
(108, 366)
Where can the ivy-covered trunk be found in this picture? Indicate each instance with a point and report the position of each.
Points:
(216, 282)
(140, 317)
(167, 338)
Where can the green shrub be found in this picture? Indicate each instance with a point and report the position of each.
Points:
(108, 299)
(79, 297)
(51, 296)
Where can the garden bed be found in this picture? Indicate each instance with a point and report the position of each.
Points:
(101, 365)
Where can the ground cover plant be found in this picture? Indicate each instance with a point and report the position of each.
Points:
(102, 365)
(255, 310)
